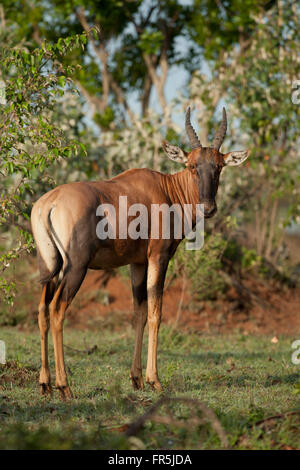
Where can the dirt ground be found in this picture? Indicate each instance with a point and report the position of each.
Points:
(273, 310)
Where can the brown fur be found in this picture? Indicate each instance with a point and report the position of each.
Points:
(64, 226)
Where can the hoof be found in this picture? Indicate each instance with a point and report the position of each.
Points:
(137, 382)
(155, 385)
(45, 389)
(65, 392)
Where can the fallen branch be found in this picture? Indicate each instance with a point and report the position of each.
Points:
(209, 416)
(271, 418)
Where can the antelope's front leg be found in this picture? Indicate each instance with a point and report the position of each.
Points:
(155, 284)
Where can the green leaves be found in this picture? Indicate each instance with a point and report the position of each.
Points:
(201, 268)
(66, 45)
(150, 41)
(29, 139)
(105, 119)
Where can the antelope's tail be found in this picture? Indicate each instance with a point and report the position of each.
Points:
(49, 258)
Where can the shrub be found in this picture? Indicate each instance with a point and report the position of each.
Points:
(202, 267)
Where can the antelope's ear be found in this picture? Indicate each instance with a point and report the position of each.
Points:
(174, 153)
(236, 158)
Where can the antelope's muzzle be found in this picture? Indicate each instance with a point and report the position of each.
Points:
(210, 208)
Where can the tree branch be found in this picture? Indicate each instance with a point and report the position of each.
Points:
(208, 414)
(145, 98)
(94, 102)
(158, 80)
(108, 81)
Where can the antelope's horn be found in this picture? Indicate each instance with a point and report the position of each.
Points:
(193, 138)
(221, 132)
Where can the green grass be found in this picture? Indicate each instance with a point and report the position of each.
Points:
(244, 379)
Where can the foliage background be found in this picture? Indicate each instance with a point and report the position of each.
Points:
(86, 103)
(89, 89)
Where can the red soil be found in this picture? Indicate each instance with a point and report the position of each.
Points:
(274, 310)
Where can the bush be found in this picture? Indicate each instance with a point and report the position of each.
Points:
(202, 268)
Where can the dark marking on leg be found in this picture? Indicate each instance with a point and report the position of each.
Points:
(140, 310)
(44, 323)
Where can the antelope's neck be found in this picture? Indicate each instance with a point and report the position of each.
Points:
(181, 188)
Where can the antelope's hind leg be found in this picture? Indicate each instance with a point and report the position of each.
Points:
(63, 297)
(43, 320)
(140, 310)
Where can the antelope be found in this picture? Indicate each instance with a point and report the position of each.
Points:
(64, 224)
